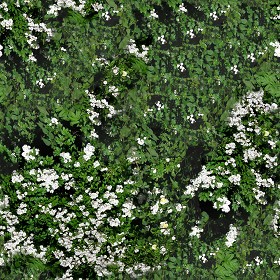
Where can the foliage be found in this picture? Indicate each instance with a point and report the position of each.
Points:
(108, 112)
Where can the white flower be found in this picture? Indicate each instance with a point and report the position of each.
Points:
(162, 39)
(155, 208)
(141, 141)
(276, 45)
(89, 178)
(133, 49)
(231, 236)
(234, 69)
(115, 70)
(32, 172)
(196, 231)
(40, 83)
(251, 56)
(272, 144)
(114, 222)
(203, 258)
(223, 204)
(28, 153)
(260, 196)
(163, 225)
(214, 15)
(66, 157)
(54, 121)
(162, 250)
(181, 67)
(258, 260)
(32, 58)
(97, 7)
(235, 179)
(270, 161)
(182, 8)
(106, 15)
(179, 207)
(88, 150)
(251, 154)
(48, 179)
(191, 118)
(163, 200)
(159, 106)
(7, 23)
(153, 14)
(17, 178)
(190, 33)
(230, 148)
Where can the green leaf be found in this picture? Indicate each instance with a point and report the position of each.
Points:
(152, 152)
(112, 4)
(248, 84)
(124, 42)
(46, 141)
(43, 110)
(125, 132)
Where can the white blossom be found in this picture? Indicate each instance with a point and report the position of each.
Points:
(88, 150)
(231, 236)
(7, 23)
(66, 157)
(28, 153)
(182, 8)
(17, 178)
(196, 231)
(235, 179)
(153, 14)
(223, 204)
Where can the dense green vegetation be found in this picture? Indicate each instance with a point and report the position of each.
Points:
(139, 139)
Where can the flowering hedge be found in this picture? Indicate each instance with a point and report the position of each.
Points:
(139, 139)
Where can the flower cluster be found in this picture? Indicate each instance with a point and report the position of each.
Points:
(98, 104)
(55, 8)
(204, 180)
(234, 69)
(251, 57)
(276, 45)
(87, 237)
(230, 148)
(48, 179)
(7, 23)
(162, 39)
(235, 179)
(88, 150)
(240, 153)
(28, 153)
(196, 231)
(231, 236)
(181, 67)
(153, 14)
(191, 33)
(222, 203)
(182, 8)
(66, 157)
(132, 49)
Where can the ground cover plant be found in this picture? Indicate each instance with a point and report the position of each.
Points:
(139, 139)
